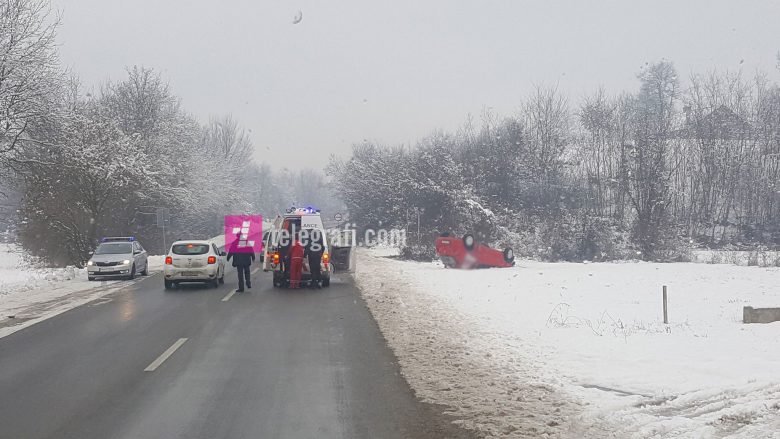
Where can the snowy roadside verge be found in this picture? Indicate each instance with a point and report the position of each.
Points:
(447, 358)
(29, 295)
(585, 340)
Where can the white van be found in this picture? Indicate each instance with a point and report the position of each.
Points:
(338, 254)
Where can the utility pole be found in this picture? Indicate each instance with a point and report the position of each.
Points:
(161, 213)
(417, 210)
(408, 222)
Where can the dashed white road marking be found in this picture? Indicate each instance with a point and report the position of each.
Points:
(229, 295)
(255, 270)
(164, 356)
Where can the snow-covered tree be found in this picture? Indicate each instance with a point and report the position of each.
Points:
(30, 77)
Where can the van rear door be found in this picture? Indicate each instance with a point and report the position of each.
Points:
(342, 250)
(269, 247)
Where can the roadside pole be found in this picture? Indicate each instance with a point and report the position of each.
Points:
(666, 316)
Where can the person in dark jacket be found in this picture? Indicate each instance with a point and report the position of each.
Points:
(314, 254)
(243, 263)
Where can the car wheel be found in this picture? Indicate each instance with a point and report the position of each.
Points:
(509, 255)
(215, 283)
(131, 276)
(326, 281)
(146, 270)
(168, 285)
(468, 241)
(222, 278)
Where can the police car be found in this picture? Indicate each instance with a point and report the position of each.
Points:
(118, 256)
(337, 256)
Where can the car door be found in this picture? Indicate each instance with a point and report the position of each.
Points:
(143, 256)
(343, 256)
(138, 263)
(263, 250)
(220, 260)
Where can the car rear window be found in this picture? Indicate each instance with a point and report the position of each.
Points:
(190, 249)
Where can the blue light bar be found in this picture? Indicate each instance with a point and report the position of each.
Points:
(302, 210)
(118, 239)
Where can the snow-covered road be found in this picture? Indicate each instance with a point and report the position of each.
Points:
(578, 350)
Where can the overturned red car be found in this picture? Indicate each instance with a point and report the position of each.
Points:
(467, 253)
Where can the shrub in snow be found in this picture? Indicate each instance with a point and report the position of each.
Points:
(418, 252)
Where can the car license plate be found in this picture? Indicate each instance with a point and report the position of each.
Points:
(189, 273)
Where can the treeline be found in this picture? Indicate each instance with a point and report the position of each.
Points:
(646, 174)
(92, 163)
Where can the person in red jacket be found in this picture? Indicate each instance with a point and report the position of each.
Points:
(296, 263)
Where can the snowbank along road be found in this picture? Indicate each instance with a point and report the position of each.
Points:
(580, 350)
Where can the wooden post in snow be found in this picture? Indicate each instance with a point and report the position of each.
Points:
(666, 316)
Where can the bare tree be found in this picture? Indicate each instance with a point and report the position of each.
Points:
(29, 68)
(143, 104)
(649, 164)
(548, 127)
(226, 141)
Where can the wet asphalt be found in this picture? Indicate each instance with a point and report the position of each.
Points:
(197, 362)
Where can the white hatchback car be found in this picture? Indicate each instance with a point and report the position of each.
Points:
(194, 261)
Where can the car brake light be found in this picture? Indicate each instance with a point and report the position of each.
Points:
(212, 259)
(276, 257)
(325, 258)
(168, 260)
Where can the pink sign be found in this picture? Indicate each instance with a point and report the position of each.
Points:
(244, 233)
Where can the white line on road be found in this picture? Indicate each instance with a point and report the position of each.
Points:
(255, 270)
(230, 294)
(156, 363)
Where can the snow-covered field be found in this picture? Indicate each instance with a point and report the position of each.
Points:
(580, 350)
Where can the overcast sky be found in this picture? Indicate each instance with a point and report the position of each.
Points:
(393, 71)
